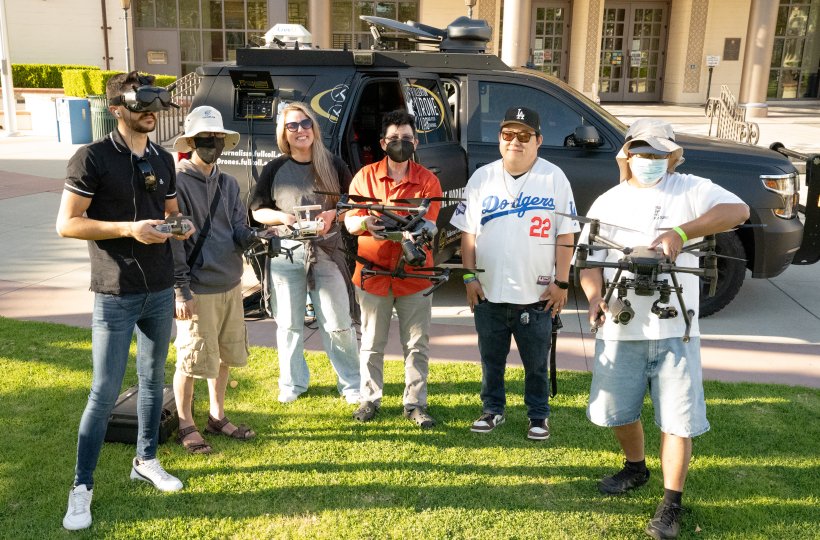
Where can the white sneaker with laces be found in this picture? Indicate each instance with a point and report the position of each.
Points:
(288, 397)
(78, 515)
(152, 472)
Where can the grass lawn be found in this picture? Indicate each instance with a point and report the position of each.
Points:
(314, 473)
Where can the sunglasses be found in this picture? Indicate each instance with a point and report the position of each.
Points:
(148, 175)
(522, 136)
(307, 123)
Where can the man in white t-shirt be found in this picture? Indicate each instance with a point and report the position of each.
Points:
(513, 231)
(669, 209)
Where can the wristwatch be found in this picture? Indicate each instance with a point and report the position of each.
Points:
(561, 284)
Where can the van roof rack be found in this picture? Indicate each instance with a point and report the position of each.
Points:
(462, 35)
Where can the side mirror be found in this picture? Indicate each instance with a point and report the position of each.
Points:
(587, 136)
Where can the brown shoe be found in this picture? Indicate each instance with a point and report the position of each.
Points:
(241, 432)
(193, 447)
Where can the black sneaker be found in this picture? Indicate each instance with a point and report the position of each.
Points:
(666, 523)
(622, 481)
(420, 416)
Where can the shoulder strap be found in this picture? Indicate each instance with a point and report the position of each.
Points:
(206, 228)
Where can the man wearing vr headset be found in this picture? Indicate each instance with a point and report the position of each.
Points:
(117, 190)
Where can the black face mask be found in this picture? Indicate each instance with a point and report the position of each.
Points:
(209, 148)
(399, 151)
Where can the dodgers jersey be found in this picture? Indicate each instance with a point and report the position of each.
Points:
(515, 224)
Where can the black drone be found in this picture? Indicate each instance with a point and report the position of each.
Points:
(303, 230)
(411, 230)
(647, 265)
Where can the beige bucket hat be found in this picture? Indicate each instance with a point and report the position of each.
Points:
(204, 119)
(649, 135)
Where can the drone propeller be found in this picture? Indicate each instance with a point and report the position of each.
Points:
(584, 219)
(453, 271)
(419, 200)
(354, 198)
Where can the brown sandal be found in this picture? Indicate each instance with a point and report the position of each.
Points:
(192, 447)
(242, 432)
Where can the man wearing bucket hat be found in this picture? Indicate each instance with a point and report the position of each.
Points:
(512, 228)
(211, 336)
(669, 209)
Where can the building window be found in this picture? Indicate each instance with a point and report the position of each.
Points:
(795, 68)
(209, 30)
(349, 30)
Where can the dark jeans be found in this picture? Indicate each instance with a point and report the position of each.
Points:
(495, 324)
(114, 321)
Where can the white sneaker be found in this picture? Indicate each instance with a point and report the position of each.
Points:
(78, 515)
(288, 397)
(152, 472)
(353, 399)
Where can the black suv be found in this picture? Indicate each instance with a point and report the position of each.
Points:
(459, 99)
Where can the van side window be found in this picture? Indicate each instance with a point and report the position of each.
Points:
(558, 120)
(424, 101)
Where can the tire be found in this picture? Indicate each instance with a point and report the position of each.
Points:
(731, 274)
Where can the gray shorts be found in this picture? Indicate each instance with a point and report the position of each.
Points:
(669, 367)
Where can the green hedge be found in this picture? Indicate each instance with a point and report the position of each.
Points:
(42, 75)
(82, 83)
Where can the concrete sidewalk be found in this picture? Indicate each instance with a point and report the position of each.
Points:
(770, 333)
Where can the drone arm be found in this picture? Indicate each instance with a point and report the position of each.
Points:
(593, 238)
(687, 314)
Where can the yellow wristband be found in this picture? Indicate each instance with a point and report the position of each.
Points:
(363, 226)
(681, 234)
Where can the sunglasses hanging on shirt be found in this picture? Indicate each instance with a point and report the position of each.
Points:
(148, 175)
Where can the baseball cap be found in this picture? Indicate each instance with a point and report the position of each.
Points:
(523, 115)
(204, 119)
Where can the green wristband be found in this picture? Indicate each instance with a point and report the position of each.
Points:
(363, 226)
(465, 277)
(681, 234)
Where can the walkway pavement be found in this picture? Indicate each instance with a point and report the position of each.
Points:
(770, 333)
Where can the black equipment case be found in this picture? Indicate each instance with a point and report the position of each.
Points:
(122, 424)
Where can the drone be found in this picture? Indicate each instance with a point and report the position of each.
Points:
(303, 230)
(646, 264)
(412, 231)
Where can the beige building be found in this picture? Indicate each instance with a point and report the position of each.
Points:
(613, 51)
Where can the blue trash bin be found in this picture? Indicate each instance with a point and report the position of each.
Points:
(73, 120)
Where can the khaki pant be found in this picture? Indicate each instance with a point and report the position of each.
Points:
(414, 312)
(215, 335)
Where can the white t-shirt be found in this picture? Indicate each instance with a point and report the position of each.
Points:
(516, 226)
(676, 199)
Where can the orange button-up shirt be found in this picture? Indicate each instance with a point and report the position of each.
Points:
(373, 181)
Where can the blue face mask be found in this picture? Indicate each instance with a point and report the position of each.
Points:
(647, 171)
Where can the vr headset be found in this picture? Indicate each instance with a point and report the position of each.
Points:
(145, 98)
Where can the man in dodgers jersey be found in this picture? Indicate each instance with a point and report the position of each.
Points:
(669, 208)
(512, 231)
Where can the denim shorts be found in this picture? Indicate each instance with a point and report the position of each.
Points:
(670, 369)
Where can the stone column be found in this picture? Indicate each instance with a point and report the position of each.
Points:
(319, 21)
(515, 38)
(757, 57)
(585, 49)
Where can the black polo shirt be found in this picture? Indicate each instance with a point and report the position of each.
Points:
(106, 172)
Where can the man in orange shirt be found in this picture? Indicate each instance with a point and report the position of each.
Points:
(394, 177)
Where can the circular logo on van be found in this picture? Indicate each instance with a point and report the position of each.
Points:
(425, 105)
(329, 103)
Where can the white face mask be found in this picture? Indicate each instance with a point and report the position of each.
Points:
(647, 171)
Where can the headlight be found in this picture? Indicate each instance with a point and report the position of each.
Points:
(788, 187)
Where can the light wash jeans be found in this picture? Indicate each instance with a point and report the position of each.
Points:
(414, 312)
(114, 321)
(332, 306)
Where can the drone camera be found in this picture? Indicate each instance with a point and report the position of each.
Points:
(413, 254)
(621, 311)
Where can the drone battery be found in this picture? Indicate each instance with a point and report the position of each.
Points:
(122, 424)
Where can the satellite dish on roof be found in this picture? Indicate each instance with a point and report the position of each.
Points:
(462, 35)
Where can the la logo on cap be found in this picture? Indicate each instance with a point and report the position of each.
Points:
(520, 115)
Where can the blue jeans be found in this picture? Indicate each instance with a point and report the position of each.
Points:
(331, 303)
(114, 321)
(496, 323)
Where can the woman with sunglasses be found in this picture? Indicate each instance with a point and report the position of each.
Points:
(318, 268)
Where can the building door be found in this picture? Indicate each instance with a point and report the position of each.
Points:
(551, 37)
(796, 54)
(633, 47)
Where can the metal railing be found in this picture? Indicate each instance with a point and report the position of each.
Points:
(171, 123)
(730, 118)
